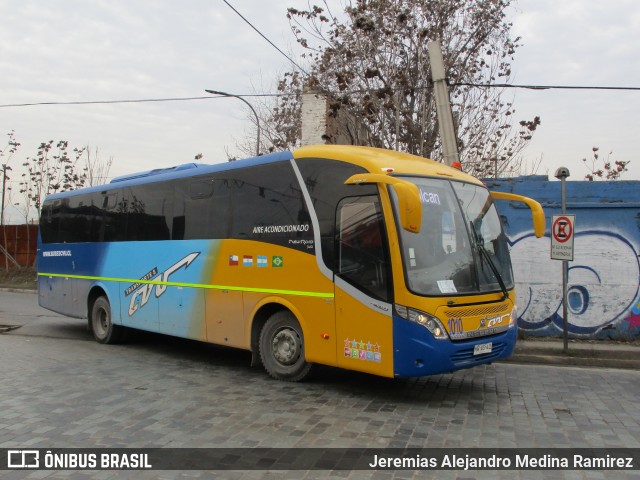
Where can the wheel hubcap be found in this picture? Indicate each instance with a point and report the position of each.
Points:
(286, 346)
(103, 322)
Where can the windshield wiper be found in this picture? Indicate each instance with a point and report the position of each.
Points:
(479, 242)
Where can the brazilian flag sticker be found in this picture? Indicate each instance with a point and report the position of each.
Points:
(276, 261)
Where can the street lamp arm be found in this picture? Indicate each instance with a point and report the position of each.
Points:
(225, 94)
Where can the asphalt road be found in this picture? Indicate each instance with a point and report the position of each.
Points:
(60, 389)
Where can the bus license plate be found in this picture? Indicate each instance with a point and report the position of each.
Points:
(482, 348)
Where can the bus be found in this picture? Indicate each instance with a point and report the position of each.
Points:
(353, 257)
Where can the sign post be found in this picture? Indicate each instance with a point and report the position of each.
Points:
(562, 233)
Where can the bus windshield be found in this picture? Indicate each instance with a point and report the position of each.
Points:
(461, 248)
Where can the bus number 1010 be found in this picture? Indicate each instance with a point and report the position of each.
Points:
(455, 326)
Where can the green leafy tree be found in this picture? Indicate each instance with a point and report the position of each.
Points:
(373, 59)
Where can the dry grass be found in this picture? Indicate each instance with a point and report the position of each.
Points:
(18, 277)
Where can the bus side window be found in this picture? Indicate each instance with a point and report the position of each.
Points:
(362, 252)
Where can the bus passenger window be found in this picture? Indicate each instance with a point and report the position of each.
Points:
(362, 251)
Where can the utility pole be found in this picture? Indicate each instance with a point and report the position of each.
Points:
(4, 185)
(443, 105)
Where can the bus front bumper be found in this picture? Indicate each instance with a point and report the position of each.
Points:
(417, 353)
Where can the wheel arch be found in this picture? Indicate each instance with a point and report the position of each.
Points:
(259, 316)
(96, 291)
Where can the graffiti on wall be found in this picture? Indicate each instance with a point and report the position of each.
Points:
(603, 292)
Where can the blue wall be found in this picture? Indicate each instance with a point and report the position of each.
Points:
(604, 278)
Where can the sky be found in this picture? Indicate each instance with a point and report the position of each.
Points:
(74, 50)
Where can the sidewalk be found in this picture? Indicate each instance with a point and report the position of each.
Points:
(585, 353)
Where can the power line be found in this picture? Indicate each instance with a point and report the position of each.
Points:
(106, 102)
(540, 87)
(263, 36)
(350, 92)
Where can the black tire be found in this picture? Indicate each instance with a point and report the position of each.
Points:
(282, 348)
(103, 329)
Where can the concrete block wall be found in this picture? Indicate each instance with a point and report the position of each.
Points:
(604, 278)
(322, 125)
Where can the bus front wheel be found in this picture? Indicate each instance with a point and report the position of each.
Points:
(282, 348)
(104, 331)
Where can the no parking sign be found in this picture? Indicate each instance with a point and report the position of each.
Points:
(562, 234)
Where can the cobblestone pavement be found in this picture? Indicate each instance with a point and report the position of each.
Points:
(60, 389)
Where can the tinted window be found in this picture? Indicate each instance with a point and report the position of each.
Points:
(268, 205)
(262, 203)
(149, 210)
(362, 247)
(202, 209)
(325, 182)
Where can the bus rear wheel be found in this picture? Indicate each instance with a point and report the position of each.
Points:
(282, 348)
(103, 329)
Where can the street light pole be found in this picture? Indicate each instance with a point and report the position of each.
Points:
(225, 94)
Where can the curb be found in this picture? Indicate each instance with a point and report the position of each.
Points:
(605, 355)
(18, 290)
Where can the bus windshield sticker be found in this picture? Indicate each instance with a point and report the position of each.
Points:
(428, 197)
(447, 286)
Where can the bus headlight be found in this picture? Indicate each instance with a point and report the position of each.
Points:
(429, 322)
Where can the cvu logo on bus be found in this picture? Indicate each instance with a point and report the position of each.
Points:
(160, 283)
(489, 322)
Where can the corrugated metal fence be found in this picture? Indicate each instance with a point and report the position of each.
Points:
(18, 245)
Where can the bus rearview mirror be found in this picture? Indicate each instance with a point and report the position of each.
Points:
(409, 205)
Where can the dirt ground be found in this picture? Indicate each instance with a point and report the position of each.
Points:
(18, 277)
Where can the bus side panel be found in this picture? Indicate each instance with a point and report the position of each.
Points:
(365, 337)
(174, 302)
(250, 274)
(225, 319)
(68, 294)
(315, 316)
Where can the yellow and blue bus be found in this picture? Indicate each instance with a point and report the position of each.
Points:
(354, 257)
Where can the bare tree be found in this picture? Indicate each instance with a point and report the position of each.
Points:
(375, 63)
(604, 168)
(7, 152)
(53, 169)
(96, 168)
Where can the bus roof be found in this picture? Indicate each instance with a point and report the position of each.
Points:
(378, 160)
(374, 160)
(180, 171)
